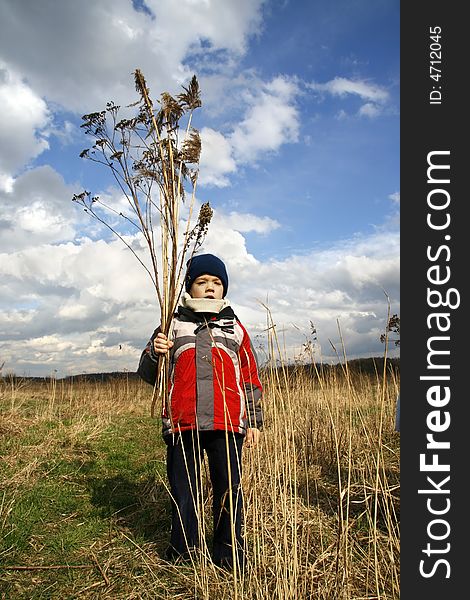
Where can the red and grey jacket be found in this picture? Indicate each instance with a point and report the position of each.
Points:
(214, 382)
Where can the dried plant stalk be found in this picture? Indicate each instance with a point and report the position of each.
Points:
(152, 165)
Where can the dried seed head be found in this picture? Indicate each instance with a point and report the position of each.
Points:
(191, 98)
(205, 215)
(171, 109)
(198, 233)
(141, 85)
(191, 148)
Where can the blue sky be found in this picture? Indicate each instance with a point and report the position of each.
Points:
(300, 161)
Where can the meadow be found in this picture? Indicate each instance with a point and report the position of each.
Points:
(85, 513)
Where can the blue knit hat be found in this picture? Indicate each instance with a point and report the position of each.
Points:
(205, 264)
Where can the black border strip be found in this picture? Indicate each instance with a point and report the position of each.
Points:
(434, 396)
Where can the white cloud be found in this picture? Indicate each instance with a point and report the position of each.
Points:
(347, 283)
(216, 158)
(23, 119)
(340, 86)
(73, 311)
(48, 344)
(6, 182)
(369, 110)
(271, 120)
(223, 24)
(75, 303)
(92, 297)
(36, 209)
(375, 96)
(100, 44)
(245, 222)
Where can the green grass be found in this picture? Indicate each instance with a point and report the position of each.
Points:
(64, 494)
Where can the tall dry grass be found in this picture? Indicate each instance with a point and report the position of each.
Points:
(321, 491)
(322, 498)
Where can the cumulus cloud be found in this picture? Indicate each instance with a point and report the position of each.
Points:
(216, 158)
(74, 300)
(87, 305)
(221, 24)
(76, 293)
(23, 121)
(36, 209)
(102, 43)
(246, 222)
(346, 284)
(93, 297)
(270, 119)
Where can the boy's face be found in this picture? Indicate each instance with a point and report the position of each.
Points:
(207, 286)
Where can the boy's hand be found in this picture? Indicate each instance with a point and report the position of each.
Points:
(161, 344)
(252, 437)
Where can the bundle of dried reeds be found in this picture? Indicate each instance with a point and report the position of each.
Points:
(152, 156)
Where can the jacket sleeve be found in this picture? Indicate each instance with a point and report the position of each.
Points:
(147, 368)
(251, 382)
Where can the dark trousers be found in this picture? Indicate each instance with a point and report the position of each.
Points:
(184, 455)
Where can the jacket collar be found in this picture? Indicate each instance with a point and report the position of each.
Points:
(201, 317)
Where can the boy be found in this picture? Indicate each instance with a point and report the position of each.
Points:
(213, 406)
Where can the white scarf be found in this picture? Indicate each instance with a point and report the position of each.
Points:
(207, 305)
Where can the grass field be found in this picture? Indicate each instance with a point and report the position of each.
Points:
(84, 510)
